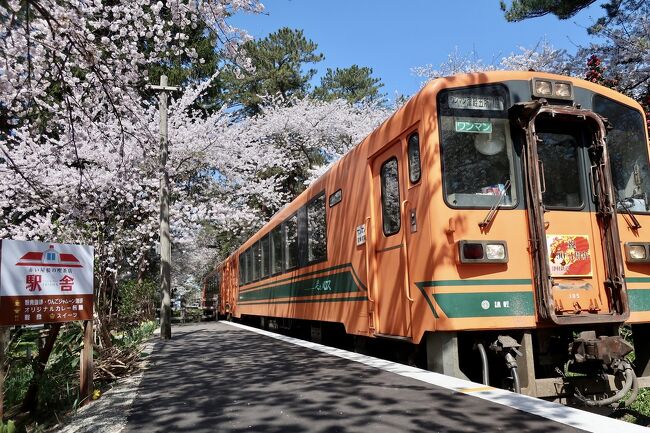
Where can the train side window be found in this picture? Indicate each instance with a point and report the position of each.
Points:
(249, 266)
(257, 260)
(390, 201)
(291, 242)
(316, 229)
(335, 198)
(242, 269)
(276, 250)
(266, 256)
(415, 170)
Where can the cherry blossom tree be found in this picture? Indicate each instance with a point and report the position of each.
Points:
(250, 163)
(310, 133)
(79, 143)
(542, 57)
(456, 63)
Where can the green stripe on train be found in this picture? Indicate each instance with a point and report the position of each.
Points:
(250, 286)
(485, 304)
(639, 299)
(342, 282)
(495, 282)
(307, 301)
(637, 280)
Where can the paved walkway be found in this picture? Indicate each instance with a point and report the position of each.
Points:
(214, 377)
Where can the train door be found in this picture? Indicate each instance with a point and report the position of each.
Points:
(577, 259)
(391, 279)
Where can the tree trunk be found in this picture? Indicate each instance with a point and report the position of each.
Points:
(103, 328)
(4, 341)
(31, 397)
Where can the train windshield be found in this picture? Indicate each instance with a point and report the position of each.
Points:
(477, 151)
(628, 154)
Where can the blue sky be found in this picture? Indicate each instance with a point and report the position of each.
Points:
(393, 36)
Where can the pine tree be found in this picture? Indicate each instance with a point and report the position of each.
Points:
(563, 9)
(279, 63)
(354, 84)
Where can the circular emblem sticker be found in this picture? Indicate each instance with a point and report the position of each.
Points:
(485, 304)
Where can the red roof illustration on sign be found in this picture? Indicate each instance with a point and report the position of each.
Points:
(51, 258)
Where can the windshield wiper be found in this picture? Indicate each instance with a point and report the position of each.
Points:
(495, 207)
(632, 222)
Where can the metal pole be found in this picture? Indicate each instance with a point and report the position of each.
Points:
(165, 240)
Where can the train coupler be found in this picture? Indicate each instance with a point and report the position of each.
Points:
(602, 355)
(603, 349)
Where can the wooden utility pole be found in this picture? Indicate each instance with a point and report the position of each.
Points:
(165, 238)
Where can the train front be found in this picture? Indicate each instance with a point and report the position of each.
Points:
(541, 246)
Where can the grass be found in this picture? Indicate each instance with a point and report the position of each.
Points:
(59, 386)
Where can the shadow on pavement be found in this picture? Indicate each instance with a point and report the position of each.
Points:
(216, 378)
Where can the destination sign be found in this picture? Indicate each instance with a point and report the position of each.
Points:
(476, 127)
(475, 102)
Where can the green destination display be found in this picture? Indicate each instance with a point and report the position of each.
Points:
(473, 126)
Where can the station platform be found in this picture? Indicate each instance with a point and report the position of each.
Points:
(226, 377)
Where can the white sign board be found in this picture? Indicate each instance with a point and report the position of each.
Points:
(361, 234)
(45, 282)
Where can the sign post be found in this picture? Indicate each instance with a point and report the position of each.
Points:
(86, 365)
(48, 283)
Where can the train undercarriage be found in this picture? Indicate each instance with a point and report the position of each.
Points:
(590, 366)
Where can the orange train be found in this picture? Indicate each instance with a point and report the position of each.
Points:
(499, 220)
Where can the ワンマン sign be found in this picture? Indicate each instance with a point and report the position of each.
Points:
(45, 282)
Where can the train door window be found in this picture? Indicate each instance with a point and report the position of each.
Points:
(316, 229)
(276, 250)
(628, 154)
(257, 260)
(266, 256)
(415, 170)
(390, 200)
(291, 242)
(558, 156)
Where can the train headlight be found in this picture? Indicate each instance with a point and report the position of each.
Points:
(552, 89)
(495, 251)
(482, 252)
(637, 252)
(562, 90)
(542, 88)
